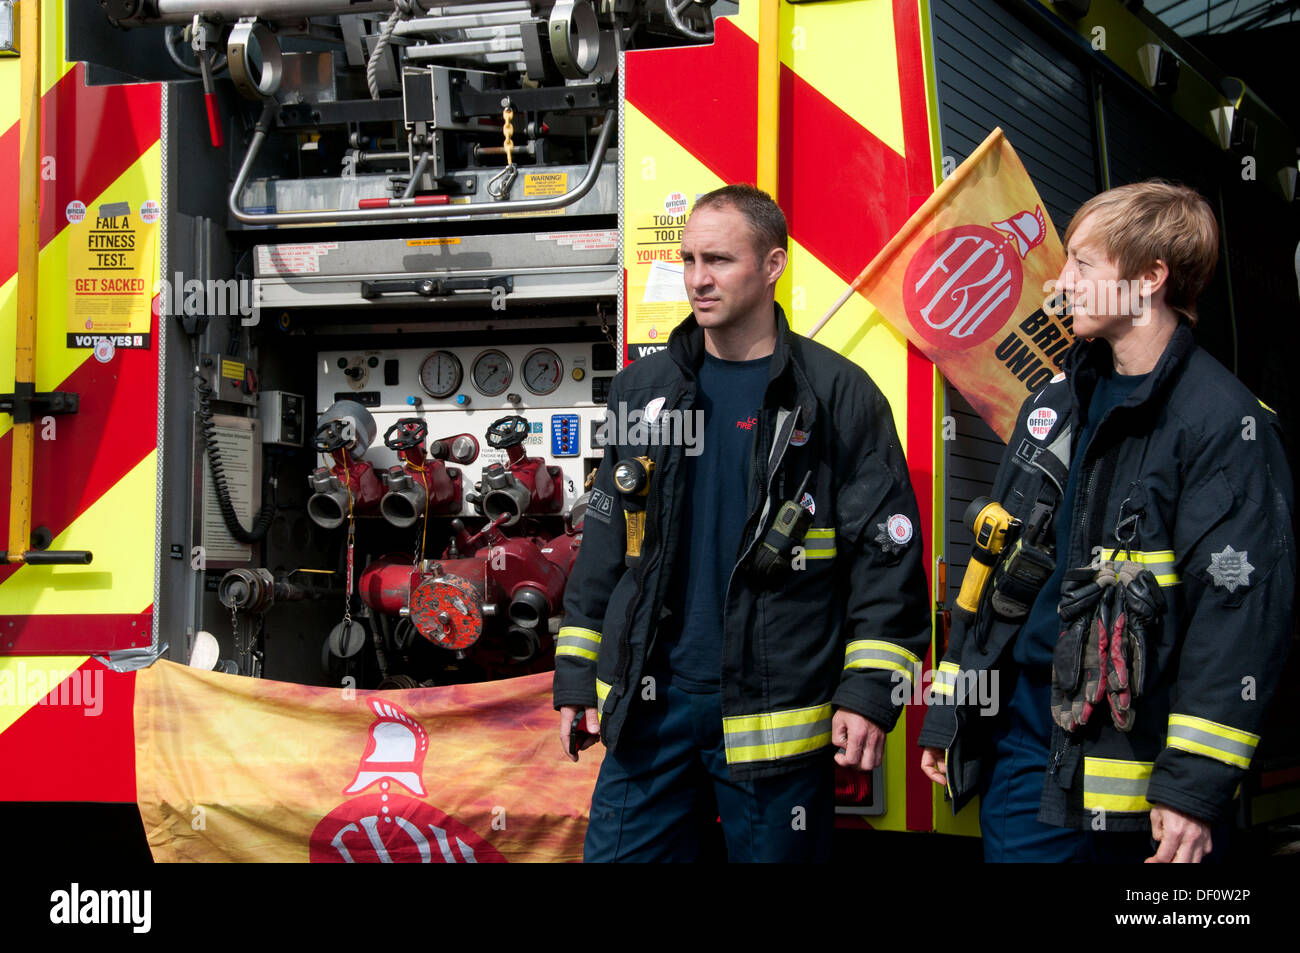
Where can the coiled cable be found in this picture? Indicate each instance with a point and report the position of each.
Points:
(265, 516)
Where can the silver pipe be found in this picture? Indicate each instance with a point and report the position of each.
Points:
(183, 11)
(420, 166)
(365, 157)
(438, 24)
(444, 51)
(492, 6)
(420, 211)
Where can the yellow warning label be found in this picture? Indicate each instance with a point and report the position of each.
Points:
(232, 369)
(414, 242)
(545, 183)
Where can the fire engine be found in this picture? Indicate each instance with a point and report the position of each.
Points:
(311, 307)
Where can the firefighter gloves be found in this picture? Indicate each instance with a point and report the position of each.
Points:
(1101, 652)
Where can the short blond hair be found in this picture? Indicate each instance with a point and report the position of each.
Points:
(1144, 222)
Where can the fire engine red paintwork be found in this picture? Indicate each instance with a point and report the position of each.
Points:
(443, 489)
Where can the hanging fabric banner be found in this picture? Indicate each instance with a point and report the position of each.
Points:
(240, 769)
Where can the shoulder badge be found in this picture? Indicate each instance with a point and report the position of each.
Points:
(895, 533)
(1230, 568)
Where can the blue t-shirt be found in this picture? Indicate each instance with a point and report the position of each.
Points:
(1037, 640)
(715, 504)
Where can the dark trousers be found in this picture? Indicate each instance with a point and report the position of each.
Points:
(1010, 794)
(660, 794)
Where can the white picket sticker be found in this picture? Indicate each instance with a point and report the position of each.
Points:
(1041, 422)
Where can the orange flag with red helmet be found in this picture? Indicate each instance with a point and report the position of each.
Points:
(242, 769)
(969, 280)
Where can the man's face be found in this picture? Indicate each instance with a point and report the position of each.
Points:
(726, 278)
(1101, 300)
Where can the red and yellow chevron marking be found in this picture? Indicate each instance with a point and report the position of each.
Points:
(94, 484)
(855, 159)
(66, 730)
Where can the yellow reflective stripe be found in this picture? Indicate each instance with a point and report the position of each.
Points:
(1226, 732)
(592, 634)
(873, 653)
(1211, 739)
(575, 650)
(1113, 785)
(819, 544)
(889, 664)
(778, 734)
(876, 645)
(1160, 562)
(945, 680)
(602, 690)
(1114, 768)
(776, 719)
(772, 751)
(1160, 556)
(1121, 803)
(573, 640)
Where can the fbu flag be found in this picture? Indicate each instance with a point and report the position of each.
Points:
(969, 280)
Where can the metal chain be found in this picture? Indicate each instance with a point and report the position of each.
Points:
(604, 326)
(508, 130)
(352, 537)
(234, 628)
(499, 186)
(255, 656)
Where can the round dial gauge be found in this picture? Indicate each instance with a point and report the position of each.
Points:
(441, 374)
(492, 373)
(542, 371)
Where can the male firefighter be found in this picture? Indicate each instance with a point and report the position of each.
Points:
(1141, 598)
(742, 606)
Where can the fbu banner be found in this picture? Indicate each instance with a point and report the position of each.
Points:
(240, 769)
(968, 280)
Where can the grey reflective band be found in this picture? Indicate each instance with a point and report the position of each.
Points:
(945, 679)
(870, 653)
(775, 735)
(582, 643)
(1211, 739)
(1115, 785)
(819, 544)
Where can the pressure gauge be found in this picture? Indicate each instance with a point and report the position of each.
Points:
(492, 373)
(441, 374)
(542, 371)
